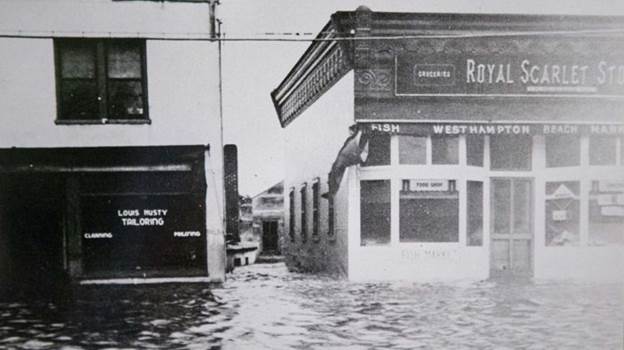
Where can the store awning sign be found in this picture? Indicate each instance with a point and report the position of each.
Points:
(495, 129)
(593, 74)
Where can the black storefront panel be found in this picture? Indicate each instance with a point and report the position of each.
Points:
(137, 234)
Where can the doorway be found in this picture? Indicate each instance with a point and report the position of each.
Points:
(32, 232)
(269, 237)
(512, 227)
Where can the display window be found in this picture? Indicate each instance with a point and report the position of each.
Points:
(562, 213)
(606, 212)
(429, 211)
(378, 150)
(602, 150)
(510, 152)
(375, 212)
(412, 149)
(475, 150)
(445, 150)
(563, 150)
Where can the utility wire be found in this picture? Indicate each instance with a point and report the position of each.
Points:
(270, 37)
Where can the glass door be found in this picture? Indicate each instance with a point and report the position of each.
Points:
(512, 226)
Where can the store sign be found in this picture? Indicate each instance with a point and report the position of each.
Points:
(596, 74)
(429, 185)
(495, 129)
(611, 186)
(134, 232)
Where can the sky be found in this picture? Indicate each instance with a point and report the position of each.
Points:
(251, 70)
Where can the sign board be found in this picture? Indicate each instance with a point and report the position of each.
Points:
(612, 211)
(611, 186)
(562, 192)
(457, 73)
(495, 129)
(428, 185)
(142, 232)
(560, 215)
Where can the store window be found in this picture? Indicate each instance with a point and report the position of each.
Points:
(412, 149)
(304, 212)
(475, 150)
(445, 150)
(291, 215)
(606, 212)
(602, 150)
(510, 152)
(315, 208)
(562, 213)
(375, 212)
(475, 213)
(378, 150)
(429, 211)
(101, 79)
(563, 150)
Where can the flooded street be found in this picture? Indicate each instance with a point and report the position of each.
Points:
(265, 307)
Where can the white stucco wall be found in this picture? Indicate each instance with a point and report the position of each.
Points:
(312, 142)
(182, 83)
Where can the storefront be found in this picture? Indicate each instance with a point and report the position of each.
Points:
(105, 213)
(495, 144)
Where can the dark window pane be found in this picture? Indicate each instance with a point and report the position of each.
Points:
(315, 208)
(304, 214)
(474, 150)
(562, 213)
(510, 152)
(563, 150)
(445, 150)
(78, 61)
(412, 149)
(475, 213)
(124, 61)
(602, 150)
(125, 98)
(291, 215)
(429, 216)
(378, 150)
(79, 99)
(375, 212)
(501, 193)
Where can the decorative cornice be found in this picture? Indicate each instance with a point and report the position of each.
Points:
(320, 67)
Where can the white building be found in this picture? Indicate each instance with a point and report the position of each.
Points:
(110, 149)
(495, 146)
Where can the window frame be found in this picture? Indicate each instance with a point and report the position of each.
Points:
(291, 214)
(102, 82)
(303, 211)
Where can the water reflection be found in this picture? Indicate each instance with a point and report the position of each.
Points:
(265, 307)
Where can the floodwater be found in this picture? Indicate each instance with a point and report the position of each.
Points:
(265, 307)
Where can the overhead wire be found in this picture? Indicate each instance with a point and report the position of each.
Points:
(288, 36)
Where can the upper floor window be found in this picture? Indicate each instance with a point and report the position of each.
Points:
(101, 80)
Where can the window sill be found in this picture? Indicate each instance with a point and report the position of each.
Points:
(102, 121)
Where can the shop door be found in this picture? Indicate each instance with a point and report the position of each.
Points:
(269, 237)
(512, 227)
